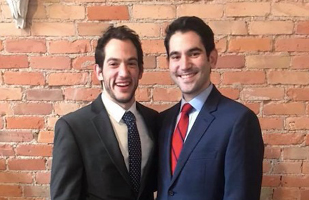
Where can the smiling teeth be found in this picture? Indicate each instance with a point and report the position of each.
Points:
(122, 84)
(187, 75)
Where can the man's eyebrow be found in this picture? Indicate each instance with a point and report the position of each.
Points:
(112, 59)
(195, 49)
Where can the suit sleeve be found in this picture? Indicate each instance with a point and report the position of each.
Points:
(244, 160)
(67, 167)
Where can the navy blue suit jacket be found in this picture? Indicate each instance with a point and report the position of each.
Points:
(221, 158)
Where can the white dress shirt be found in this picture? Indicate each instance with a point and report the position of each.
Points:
(115, 113)
(197, 104)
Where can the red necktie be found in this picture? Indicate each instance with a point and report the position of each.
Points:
(179, 135)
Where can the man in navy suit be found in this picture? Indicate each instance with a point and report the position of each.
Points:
(222, 152)
(93, 158)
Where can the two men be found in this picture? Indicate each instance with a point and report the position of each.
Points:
(106, 150)
(210, 147)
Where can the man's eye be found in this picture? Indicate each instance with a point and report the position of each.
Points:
(175, 57)
(113, 64)
(195, 54)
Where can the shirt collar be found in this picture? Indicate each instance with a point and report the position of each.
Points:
(198, 101)
(114, 110)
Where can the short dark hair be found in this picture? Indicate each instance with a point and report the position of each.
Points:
(191, 23)
(120, 33)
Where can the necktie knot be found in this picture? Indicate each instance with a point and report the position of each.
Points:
(186, 108)
(128, 118)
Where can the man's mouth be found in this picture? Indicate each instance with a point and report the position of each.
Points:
(123, 83)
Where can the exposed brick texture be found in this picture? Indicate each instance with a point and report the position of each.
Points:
(46, 71)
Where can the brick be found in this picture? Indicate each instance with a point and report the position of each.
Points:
(293, 108)
(280, 77)
(230, 62)
(63, 108)
(51, 121)
(156, 78)
(266, 193)
(207, 11)
(102, 1)
(255, 107)
(228, 27)
(26, 164)
(297, 123)
(272, 152)
(52, 29)
(244, 9)
(295, 181)
(153, 46)
(6, 150)
(47, 62)
(94, 79)
(6, 12)
(9, 29)
(263, 93)
(264, 62)
(302, 27)
(84, 62)
(290, 9)
(91, 29)
(268, 123)
(292, 44)
(5, 109)
(244, 77)
(215, 78)
(162, 62)
(286, 193)
(160, 107)
(166, 94)
(58, 79)
(1, 46)
(33, 109)
(13, 62)
(153, 12)
(232, 93)
(33, 150)
(304, 195)
(37, 11)
(65, 46)
(221, 45)
(69, 12)
(42, 178)
(46, 137)
(2, 164)
(250, 44)
(81, 94)
(142, 94)
(287, 168)
(10, 94)
(270, 181)
(36, 191)
(1, 123)
(108, 13)
(271, 27)
(23, 78)
(44, 94)
(10, 190)
(150, 62)
(13, 177)
(298, 94)
(16, 136)
(145, 29)
(295, 153)
(48, 164)
(26, 46)
(283, 139)
(305, 167)
(300, 62)
(266, 166)
(25, 122)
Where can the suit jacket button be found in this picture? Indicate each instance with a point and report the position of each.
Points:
(171, 193)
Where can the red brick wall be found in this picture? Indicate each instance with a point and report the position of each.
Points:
(46, 72)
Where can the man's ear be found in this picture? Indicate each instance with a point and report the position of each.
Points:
(98, 72)
(213, 58)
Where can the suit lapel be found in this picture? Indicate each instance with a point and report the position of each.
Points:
(199, 128)
(106, 133)
(172, 115)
